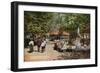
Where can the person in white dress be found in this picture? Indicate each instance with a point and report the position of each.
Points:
(43, 45)
(78, 44)
(31, 44)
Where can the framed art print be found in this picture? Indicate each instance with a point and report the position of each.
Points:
(52, 36)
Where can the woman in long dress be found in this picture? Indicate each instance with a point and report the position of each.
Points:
(78, 44)
(31, 45)
(43, 45)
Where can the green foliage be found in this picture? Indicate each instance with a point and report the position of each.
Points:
(43, 22)
(77, 20)
(36, 22)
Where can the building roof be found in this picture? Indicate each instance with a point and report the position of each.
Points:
(57, 33)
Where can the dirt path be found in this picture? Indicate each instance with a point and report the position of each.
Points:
(49, 54)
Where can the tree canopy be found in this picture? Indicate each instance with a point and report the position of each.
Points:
(44, 22)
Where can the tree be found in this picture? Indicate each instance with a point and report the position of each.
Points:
(37, 22)
(43, 22)
(74, 21)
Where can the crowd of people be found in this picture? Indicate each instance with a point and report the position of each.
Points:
(59, 45)
(39, 42)
(77, 45)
